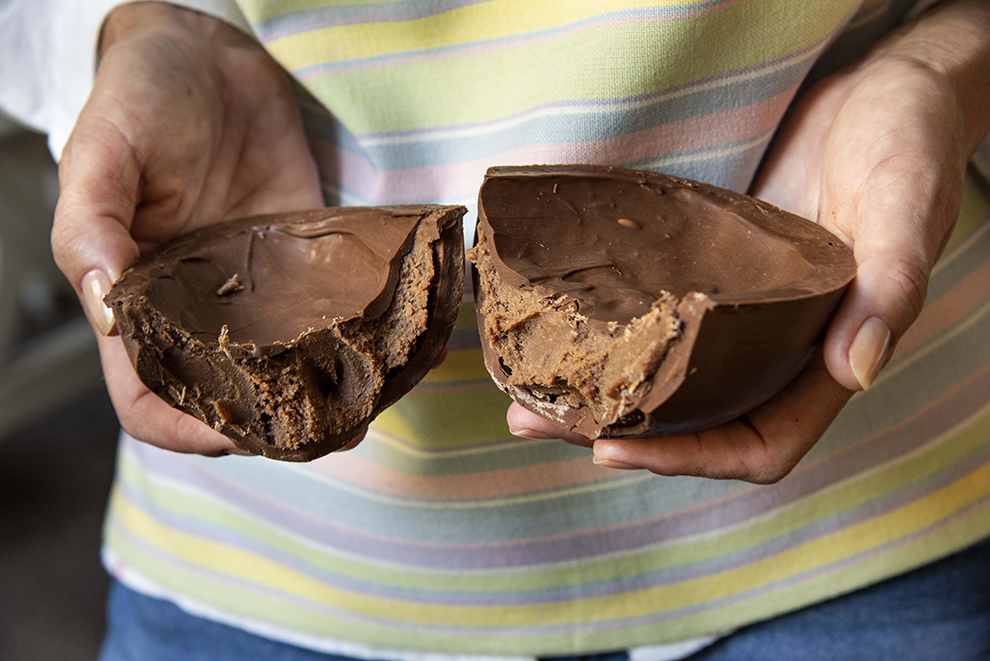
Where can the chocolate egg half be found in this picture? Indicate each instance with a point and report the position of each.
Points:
(619, 303)
(289, 333)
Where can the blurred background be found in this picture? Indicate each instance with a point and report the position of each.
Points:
(57, 428)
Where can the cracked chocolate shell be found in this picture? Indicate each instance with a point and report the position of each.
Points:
(619, 303)
(289, 333)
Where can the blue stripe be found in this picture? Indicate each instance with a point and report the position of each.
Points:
(607, 118)
(319, 18)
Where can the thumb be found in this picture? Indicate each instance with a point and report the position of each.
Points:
(897, 233)
(100, 180)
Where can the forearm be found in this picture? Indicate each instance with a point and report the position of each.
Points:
(952, 42)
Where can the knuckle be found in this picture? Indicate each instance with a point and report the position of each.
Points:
(910, 279)
(761, 467)
(771, 472)
(65, 240)
(766, 466)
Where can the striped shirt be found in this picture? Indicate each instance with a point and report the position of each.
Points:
(442, 533)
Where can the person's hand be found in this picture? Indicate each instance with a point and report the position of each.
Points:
(876, 154)
(189, 122)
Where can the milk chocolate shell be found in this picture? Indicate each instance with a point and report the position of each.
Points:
(289, 333)
(619, 303)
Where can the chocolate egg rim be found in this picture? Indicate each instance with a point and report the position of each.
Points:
(835, 273)
(676, 378)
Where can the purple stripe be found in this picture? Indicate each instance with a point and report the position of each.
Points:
(614, 103)
(600, 625)
(464, 340)
(573, 590)
(307, 20)
(706, 518)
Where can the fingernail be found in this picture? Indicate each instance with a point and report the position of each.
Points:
(868, 351)
(239, 452)
(531, 434)
(611, 463)
(95, 285)
(350, 446)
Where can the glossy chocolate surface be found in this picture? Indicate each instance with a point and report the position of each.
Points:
(755, 285)
(285, 276)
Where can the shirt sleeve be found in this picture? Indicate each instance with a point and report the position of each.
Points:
(48, 48)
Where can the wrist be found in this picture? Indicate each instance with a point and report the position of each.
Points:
(950, 44)
(136, 19)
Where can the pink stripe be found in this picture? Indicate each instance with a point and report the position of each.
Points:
(462, 180)
(355, 470)
(947, 310)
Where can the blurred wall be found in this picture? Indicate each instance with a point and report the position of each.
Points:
(47, 351)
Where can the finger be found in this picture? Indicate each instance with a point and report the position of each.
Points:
(442, 357)
(526, 424)
(896, 217)
(353, 444)
(898, 231)
(761, 447)
(145, 416)
(895, 253)
(883, 300)
(100, 184)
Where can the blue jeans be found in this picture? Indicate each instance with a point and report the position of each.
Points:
(941, 611)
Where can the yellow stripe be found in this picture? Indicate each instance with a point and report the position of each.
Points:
(487, 20)
(463, 365)
(182, 500)
(469, 85)
(843, 544)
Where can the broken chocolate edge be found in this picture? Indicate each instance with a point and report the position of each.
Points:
(834, 270)
(444, 297)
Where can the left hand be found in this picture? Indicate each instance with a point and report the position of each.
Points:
(877, 154)
(189, 122)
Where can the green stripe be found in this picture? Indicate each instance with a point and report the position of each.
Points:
(588, 65)
(853, 493)
(960, 534)
(243, 602)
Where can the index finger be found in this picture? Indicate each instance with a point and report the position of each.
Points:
(761, 446)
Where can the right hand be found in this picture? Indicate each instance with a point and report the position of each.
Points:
(189, 122)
